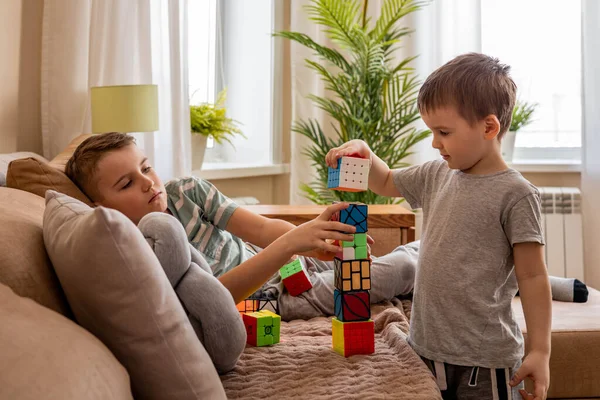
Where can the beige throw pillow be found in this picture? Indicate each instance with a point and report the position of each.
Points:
(46, 356)
(119, 292)
(35, 176)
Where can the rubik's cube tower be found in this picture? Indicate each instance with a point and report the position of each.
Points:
(353, 331)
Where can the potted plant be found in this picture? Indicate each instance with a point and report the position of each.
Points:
(207, 120)
(521, 117)
(369, 97)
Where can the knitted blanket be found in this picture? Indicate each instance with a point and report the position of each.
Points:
(303, 364)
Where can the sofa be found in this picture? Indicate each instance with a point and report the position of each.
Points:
(47, 353)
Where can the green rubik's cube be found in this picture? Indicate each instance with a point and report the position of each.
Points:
(262, 327)
(356, 249)
(294, 278)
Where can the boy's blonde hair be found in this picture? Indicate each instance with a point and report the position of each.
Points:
(476, 84)
(81, 167)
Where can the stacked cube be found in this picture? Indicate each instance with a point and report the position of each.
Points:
(353, 330)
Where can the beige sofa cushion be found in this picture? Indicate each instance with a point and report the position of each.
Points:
(35, 176)
(119, 292)
(574, 365)
(46, 356)
(24, 264)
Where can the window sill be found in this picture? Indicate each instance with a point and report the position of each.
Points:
(214, 171)
(546, 166)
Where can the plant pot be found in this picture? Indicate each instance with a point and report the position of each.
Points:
(508, 145)
(198, 150)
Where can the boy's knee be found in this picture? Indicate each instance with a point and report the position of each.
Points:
(162, 227)
(168, 240)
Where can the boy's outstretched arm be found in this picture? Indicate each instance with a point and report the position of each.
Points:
(381, 180)
(256, 229)
(249, 276)
(534, 289)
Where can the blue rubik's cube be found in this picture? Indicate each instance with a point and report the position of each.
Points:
(356, 215)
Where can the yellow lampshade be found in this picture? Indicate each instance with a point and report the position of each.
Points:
(128, 108)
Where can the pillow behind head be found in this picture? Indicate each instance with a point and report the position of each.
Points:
(36, 176)
(118, 290)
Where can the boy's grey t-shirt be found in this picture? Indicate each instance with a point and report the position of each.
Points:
(465, 279)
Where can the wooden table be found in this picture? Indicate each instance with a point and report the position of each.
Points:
(389, 225)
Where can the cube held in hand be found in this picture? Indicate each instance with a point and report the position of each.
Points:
(351, 175)
(356, 215)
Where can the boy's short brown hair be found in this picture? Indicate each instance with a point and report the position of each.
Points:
(476, 84)
(81, 167)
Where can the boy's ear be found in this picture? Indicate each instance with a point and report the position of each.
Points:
(492, 127)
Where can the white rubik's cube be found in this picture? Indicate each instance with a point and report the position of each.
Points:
(351, 175)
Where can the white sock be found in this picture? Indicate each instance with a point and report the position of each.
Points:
(568, 289)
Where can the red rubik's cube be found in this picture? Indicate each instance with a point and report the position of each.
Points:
(294, 278)
(352, 306)
(350, 338)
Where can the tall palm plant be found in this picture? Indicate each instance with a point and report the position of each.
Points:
(369, 97)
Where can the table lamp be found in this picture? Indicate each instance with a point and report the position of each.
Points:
(124, 108)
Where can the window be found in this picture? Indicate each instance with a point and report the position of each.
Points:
(541, 41)
(231, 46)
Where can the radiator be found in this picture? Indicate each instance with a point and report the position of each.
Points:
(563, 232)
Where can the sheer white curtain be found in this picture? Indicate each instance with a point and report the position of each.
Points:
(304, 82)
(443, 29)
(590, 178)
(112, 42)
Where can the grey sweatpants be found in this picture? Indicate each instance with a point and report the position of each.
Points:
(391, 275)
(457, 382)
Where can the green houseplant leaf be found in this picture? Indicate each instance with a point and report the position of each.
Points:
(211, 120)
(369, 97)
(522, 115)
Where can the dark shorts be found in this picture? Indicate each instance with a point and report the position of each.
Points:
(460, 382)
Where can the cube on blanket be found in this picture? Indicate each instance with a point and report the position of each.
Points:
(351, 338)
(262, 327)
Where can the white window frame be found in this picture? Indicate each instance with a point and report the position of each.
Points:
(220, 170)
(564, 158)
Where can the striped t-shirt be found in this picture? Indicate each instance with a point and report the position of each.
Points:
(204, 212)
